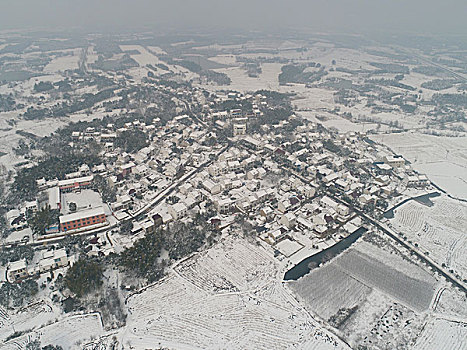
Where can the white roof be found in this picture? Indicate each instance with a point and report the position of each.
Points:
(17, 265)
(82, 214)
(76, 179)
(179, 207)
(288, 247)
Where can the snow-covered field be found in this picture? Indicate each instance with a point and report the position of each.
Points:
(10, 138)
(227, 298)
(439, 230)
(63, 63)
(328, 289)
(144, 57)
(348, 279)
(443, 159)
(242, 82)
(441, 334)
(69, 332)
(386, 292)
(415, 293)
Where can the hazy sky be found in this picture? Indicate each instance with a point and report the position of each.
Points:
(433, 16)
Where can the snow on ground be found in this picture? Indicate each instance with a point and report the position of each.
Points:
(451, 302)
(341, 124)
(225, 59)
(385, 293)
(415, 293)
(144, 57)
(68, 332)
(380, 323)
(157, 50)
(27, 318)
(225, 298)
(328, 289)
(441, 334)
(348, 279)
(443, 159)
(228, 267)
(268, 79)
(64, 62)
(439, 230)
(10, 138)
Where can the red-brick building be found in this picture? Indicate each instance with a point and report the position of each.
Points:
(82, 219)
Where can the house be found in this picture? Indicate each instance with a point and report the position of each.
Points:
(288, 220)
(223, 205)
(328, 202)
(319, 219)
(267, 212)
(342, 210)
(211, 186)
(186, 188)
(52, 260)
(148, 226)
(214, 170)
(417, 180)
(366, 198)
(157, 218)
(395, 161)
(239, 129)
(276, 235)
(17, 270)
(304, 224)
(178, 210)
(283, 206)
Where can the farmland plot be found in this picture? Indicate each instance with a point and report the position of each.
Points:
(329, 289)
(380, 323)
(374, 296)
(439, 230)
(221, 301)
(29, 317)
(441, 334)
(451, 301)
(69, 333)
(230, 266)
(144, 57)
(415, 293)
(63, 63)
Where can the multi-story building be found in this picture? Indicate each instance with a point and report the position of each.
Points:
(78, 183)
(82, 219)
(17, 270)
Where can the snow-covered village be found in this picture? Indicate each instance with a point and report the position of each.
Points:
(215, 192)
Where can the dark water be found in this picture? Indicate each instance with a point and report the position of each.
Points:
(303, 267)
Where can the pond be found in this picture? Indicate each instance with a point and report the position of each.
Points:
(307, 264)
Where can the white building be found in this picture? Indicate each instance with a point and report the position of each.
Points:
(178, 210)
(288, 220)
(17, 270)
(52, 260)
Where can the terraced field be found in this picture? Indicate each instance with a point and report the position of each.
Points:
(442, 334)
(438, 230)
(229, 267)
(69, 333)
(212, 302)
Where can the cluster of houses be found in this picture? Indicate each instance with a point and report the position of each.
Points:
(275, 180)
(48, 261)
